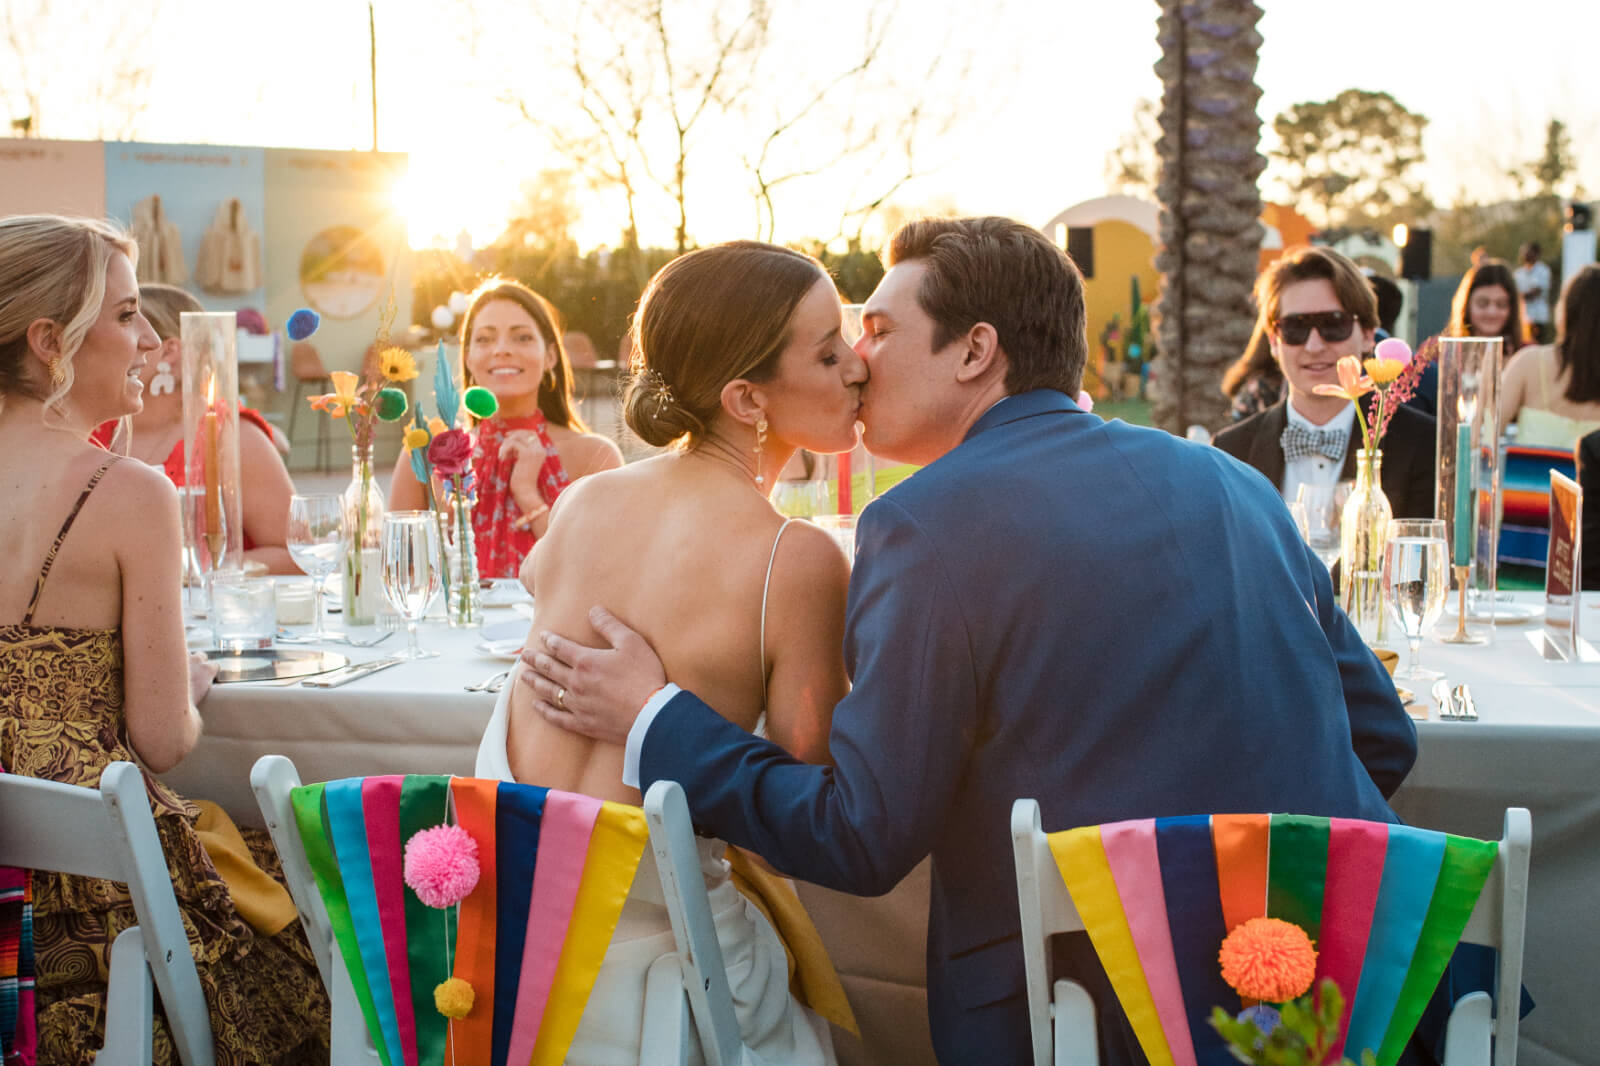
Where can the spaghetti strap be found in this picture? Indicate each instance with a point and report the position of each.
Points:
(72, 516)
(766, 587)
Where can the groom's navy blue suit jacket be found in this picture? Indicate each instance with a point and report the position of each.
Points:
(1117, 622)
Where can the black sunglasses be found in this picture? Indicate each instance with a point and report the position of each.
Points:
(1332, 326)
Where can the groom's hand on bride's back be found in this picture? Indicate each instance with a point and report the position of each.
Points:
(597, 692)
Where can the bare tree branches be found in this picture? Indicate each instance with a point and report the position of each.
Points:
(38, 90)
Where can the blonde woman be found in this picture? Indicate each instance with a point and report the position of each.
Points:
(93, 666)
(156, 435)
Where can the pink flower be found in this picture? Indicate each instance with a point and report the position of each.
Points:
(1393, 349)
(1085, 401)
(1352, 383)
(450, 453)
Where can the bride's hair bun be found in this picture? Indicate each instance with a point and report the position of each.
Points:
(712, 316)
(654, 413)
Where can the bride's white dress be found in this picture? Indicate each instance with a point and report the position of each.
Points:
(774, 1026)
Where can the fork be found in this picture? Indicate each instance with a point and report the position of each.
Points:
(357, 642)
(492, 683)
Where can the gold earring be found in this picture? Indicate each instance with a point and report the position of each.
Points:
(761, 444)
(58, 373)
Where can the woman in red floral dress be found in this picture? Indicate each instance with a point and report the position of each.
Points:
(535, 445)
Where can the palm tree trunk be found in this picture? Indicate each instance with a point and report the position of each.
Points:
(1210, 206)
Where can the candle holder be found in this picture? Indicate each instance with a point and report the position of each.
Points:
(212, 526)
(1467, 493)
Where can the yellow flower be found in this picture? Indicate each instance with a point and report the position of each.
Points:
(397, 364)
(436, 426)
(1383, 371)
(417, 438)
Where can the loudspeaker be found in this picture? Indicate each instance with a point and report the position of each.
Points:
(1080, 246)
(1416, 258)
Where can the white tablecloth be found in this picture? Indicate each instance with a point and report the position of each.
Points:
(1537, 744)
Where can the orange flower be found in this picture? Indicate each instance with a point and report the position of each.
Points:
(1352, 384)
(343, 396)
(1268, 959)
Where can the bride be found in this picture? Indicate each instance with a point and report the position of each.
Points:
(738, 361)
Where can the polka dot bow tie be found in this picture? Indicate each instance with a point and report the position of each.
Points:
(1301, 442)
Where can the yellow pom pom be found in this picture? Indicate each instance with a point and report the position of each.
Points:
(454, 998)
(417, 438)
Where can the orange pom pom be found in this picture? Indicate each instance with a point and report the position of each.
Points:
(1268, 959)
(453, 998)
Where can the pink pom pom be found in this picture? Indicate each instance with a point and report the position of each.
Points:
(441, 865)
(1393, 349)
(1085, 401)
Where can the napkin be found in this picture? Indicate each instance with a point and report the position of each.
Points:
(1389, 659)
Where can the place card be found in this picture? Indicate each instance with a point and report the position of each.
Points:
(1564, 564)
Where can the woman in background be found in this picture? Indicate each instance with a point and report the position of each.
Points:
(1486, 304)
(535, 445)
(1552, 391)
(1254, 381)
(93, 665)
(156, 435)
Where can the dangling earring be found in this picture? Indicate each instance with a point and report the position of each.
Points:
(164, 381)
(58, 373)
(761, 444)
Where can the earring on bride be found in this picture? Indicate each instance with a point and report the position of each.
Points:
(761, 443)
(164, 381)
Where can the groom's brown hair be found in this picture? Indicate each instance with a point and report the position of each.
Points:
(1009, 275)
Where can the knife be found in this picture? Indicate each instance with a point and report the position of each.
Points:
(351, 673)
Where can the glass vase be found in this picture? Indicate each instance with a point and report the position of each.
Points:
(363, 540)
(463, 597)
(1363, 530)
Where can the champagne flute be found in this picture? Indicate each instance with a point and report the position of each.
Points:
(411, 570)
(316, 526)
(1415, 578)
(801, 499)
(1324, 508)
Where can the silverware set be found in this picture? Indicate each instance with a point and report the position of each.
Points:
(492, 683)
(1455, 704)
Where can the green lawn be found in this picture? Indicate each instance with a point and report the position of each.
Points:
(1133, 412)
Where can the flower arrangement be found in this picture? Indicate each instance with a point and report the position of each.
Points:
(1274, 961)
(361, 404)
(438, 447)
(1391, 377)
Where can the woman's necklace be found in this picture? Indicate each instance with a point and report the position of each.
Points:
(720, 452)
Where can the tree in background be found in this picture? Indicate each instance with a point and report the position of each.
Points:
(1210, 233)
(1133, 167)
(44, 69)
(1348, 158)
(1539, 189)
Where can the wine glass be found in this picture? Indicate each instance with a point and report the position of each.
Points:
(316, 524)
(1415, 579)
(1324, 509)
(411, 570)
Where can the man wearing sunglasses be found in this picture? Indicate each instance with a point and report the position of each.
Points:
(1315, 307)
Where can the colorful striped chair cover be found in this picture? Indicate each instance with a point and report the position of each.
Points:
(1525, 498)
(1384, 904)
(555, 868)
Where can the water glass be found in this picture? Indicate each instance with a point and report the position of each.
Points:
(411, 577)
(801, 499)
(1324, 510)
(842, 527)
(244, 614)
(1415, 580)
(316, 525)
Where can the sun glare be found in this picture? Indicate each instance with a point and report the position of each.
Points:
(440, 200)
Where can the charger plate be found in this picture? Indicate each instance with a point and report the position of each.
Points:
(272, 664)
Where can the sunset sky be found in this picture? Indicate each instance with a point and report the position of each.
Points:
(1051, 86)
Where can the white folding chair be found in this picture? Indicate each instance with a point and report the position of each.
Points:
(688, 1009)
(703, 996)
(272, 778)
(110, 833)
(1061, 1019)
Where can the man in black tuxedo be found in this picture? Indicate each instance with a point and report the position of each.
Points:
(1315, 307)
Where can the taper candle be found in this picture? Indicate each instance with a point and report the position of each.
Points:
(846, 505)
(1463, 517)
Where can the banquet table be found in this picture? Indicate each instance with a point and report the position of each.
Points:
(1536, 744)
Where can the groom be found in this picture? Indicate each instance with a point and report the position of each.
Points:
(1109, 619)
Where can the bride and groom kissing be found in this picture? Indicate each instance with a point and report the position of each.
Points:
(1114, 621)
